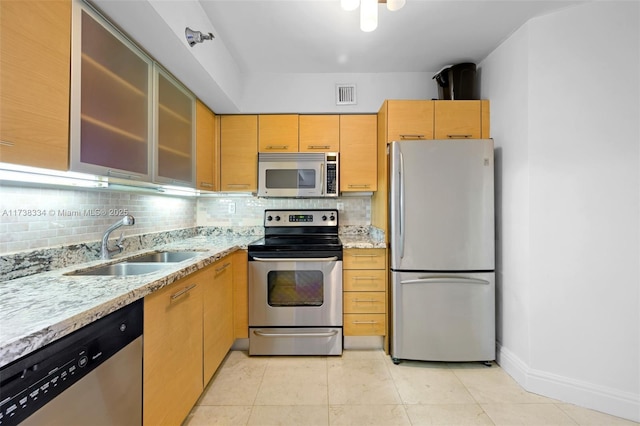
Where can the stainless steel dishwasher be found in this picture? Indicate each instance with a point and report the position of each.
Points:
(90, 377)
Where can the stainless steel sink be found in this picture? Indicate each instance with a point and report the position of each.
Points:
(122, 269)
(165, 257)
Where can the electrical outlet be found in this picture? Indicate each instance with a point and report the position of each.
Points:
(232, 208)
(340, 206)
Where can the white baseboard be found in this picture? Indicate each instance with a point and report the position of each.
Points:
(583, 394)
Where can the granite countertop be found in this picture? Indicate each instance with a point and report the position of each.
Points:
(41, 308)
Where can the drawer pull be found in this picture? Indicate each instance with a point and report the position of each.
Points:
(365, 255)
(362, 185)
(411, 136)
(459, 136)
(277, 146)
(6, 143)
(365, 322)
(366, 300)
(364, 278)
(183, 292)
(206, 184)
(242, 185)
(318, 146)
(223, 267)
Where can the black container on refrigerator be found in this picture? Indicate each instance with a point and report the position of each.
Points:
(457, 82)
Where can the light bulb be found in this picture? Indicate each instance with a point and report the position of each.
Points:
(349, 4)
(368, 15)
(394, 5)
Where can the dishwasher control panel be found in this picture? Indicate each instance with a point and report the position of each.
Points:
(29, 383)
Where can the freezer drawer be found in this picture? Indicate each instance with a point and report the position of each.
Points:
(443, 316)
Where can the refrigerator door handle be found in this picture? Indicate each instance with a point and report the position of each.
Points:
(401, 212)
(446, 280)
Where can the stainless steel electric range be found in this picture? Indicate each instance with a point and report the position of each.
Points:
(295, 285)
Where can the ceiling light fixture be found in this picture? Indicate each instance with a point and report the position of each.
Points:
(369, 10)
(194, 37)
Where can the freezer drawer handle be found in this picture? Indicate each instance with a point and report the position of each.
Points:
(297, 259)
(325, 334)
(435, 280)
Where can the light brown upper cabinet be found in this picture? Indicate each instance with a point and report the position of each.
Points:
(206, 167)
(408, 119)
(358, 156)
(461, 119)
(278, 133)
(35, 51)
(319, 133)
(239, 153)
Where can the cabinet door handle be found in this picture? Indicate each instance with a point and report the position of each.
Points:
(182, 292)
(223, 267)
(6, 143)
(362, 185)
(459, 136)
(206, 184)
(277, 146)
(318, 146)
(411, 136)
(122, 175)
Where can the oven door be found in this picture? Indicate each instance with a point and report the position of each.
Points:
(295, 292)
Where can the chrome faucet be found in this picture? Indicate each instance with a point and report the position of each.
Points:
(105, 251)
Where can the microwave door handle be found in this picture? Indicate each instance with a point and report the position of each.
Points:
(322, 179)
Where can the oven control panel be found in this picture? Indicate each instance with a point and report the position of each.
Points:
(324, 217)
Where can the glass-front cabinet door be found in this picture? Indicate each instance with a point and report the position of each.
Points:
(111, 89)
(175, 132)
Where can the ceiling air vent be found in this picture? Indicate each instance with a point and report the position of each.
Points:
(346, 94)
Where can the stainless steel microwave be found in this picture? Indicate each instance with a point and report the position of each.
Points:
(298, 174)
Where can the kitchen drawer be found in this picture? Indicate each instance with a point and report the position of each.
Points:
(364, 302)
(364, 259)
(364, 324)
(364, 280)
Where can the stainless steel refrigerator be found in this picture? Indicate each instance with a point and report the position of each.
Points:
(442, 250)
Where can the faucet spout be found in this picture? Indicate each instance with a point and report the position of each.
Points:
(105, 251)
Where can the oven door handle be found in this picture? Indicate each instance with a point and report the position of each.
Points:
(297, 259)
(322, 334)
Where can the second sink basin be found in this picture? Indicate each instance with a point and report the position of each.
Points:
(165, 257)
(122, 269)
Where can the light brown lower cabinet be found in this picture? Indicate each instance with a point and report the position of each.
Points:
(189, 326)
(365, 292)
(172, 366)
(217, 315)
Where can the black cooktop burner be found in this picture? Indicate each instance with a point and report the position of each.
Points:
(299, 233)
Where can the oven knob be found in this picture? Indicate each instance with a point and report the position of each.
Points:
(332, 217)
(277, 218)
(269, 218)
(324, 217)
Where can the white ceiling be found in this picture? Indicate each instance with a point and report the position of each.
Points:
(276, 40)
(311, 36)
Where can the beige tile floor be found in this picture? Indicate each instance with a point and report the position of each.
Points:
(366, 388)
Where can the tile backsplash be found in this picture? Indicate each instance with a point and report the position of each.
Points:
(33, 218)
(249, 211)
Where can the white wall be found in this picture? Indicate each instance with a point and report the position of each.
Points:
(315, 93)
(565, 96)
